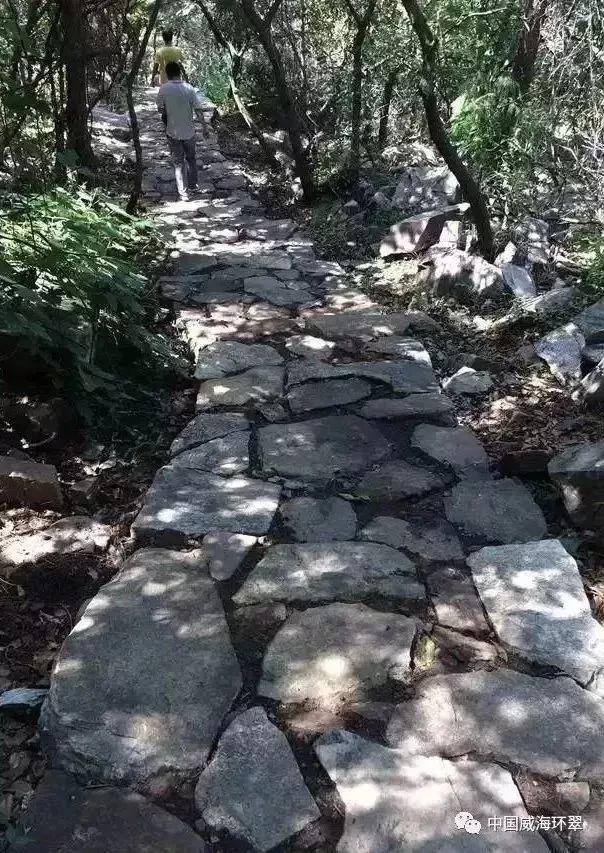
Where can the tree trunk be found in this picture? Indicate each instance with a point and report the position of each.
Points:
(262, 28)
(438, 133)
(363, 23)
(76, 107)
(523, 68)
(385, 107)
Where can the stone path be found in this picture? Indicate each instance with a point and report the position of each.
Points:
(337, 601)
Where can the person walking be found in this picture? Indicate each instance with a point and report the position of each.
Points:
(178, 102)
(167, 53)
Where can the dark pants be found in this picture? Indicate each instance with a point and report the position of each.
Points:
(182, 152)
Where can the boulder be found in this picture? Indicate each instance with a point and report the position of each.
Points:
(29, 484)
(549, 304)
(518, 280)
(591, 322)
(468, 381)
(561, 350)
(425, 188)
(457, 273)
(419, 232)
(592, 385)
(579, 472)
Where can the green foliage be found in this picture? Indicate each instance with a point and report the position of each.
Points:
(590, 253)
(73, 300)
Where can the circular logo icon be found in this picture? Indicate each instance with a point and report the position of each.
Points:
(461, 819)
(473, 826)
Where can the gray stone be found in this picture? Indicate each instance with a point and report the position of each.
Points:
(468, 381)
(225, 357)
(593, 354)
(498, 511)
(435, 540)
(362, 325)
(419, 232)
(533, 232)
(381, 201)
(310, 346)
(456, 273)
(592, 386)
(205, 428)
(76, 534)
(455, 601)
(253, 789)
(561, 350)
(396, 802)
(253, 386)
(226, 552)
(321, 449)
(591, 322)
(401, 347)
(62, 816)
(424, 188)
(412, 406)
(330, 571)
(324, 395)
(319, 520)
(454, 446)
(405, 377)
(225, 456)
(337, 650)
(273, 412)
(518, 280)
(29, 483)
(23, 700)
(551, 726)
(277, 292)
(185, 503)
(549, 304)
(117, 710)
(398, 479)
(534, 597)
(579, 472)
(319, 269)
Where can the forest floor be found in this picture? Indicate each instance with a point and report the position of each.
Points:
(326, 527)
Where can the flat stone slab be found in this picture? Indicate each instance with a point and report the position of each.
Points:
(360, 325)
(29, 483)
(226, 357)
(309, 346)
(456, 602)
(116, 710)
(325, 395)
(339, 649)
(579, 472)
(533, 594)
(551, 726)
(226, 552)
(397, 479)
(412, 406)
(395, 802)
(253, 788)
(401, 347)
(330, 571)
(434, 540)
(225, 456)
(322, 448)
(457, 447)
(253, 386)
(278, 292)
(499, 511)
(72, 535)
(183, 502)
(319, 520)
(205, 428)
(404, 377)
(62, 816)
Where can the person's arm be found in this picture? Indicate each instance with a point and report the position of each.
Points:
(160, 101)
(198, 107)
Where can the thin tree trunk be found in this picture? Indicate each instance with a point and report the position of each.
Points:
(76, 107)
(438, 133)
(385, 105)
(523, 68)
(363, 23)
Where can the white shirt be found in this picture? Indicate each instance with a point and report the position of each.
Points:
(179, 99)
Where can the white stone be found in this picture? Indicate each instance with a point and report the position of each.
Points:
(72, 535)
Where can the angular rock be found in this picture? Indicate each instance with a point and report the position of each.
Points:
(579, 472)
(498, 511)
(62, 816)
(591, 322)
(505, 716)
(115, 711)
(226, 552)
(322, 448)
(72, 535)
(325, 395)
(534, 597)
(29, 483)
(254, 386)
(395, 802)
(330, 571)
(226, 357)
(518, 280)
(593, 354)
(454, 446)
(468, 381)
(561, 350)
(397, 479)
(456, 602)
(362, 325)
(549, 304)
(205, 428)
(592, 386)
(237, 792)
(339, 649)
(456, 273)
(22, 701)
(419, 232)
(315, 520)
(405, 377)
(435, 540)
(225, 456)
(412, 406)
(310, 346)
(401, 347)
(424, 188)
(184, 503)
(320, 269)
(277, 292)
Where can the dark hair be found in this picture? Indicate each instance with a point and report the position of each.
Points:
(167, 36)
(172, 70)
